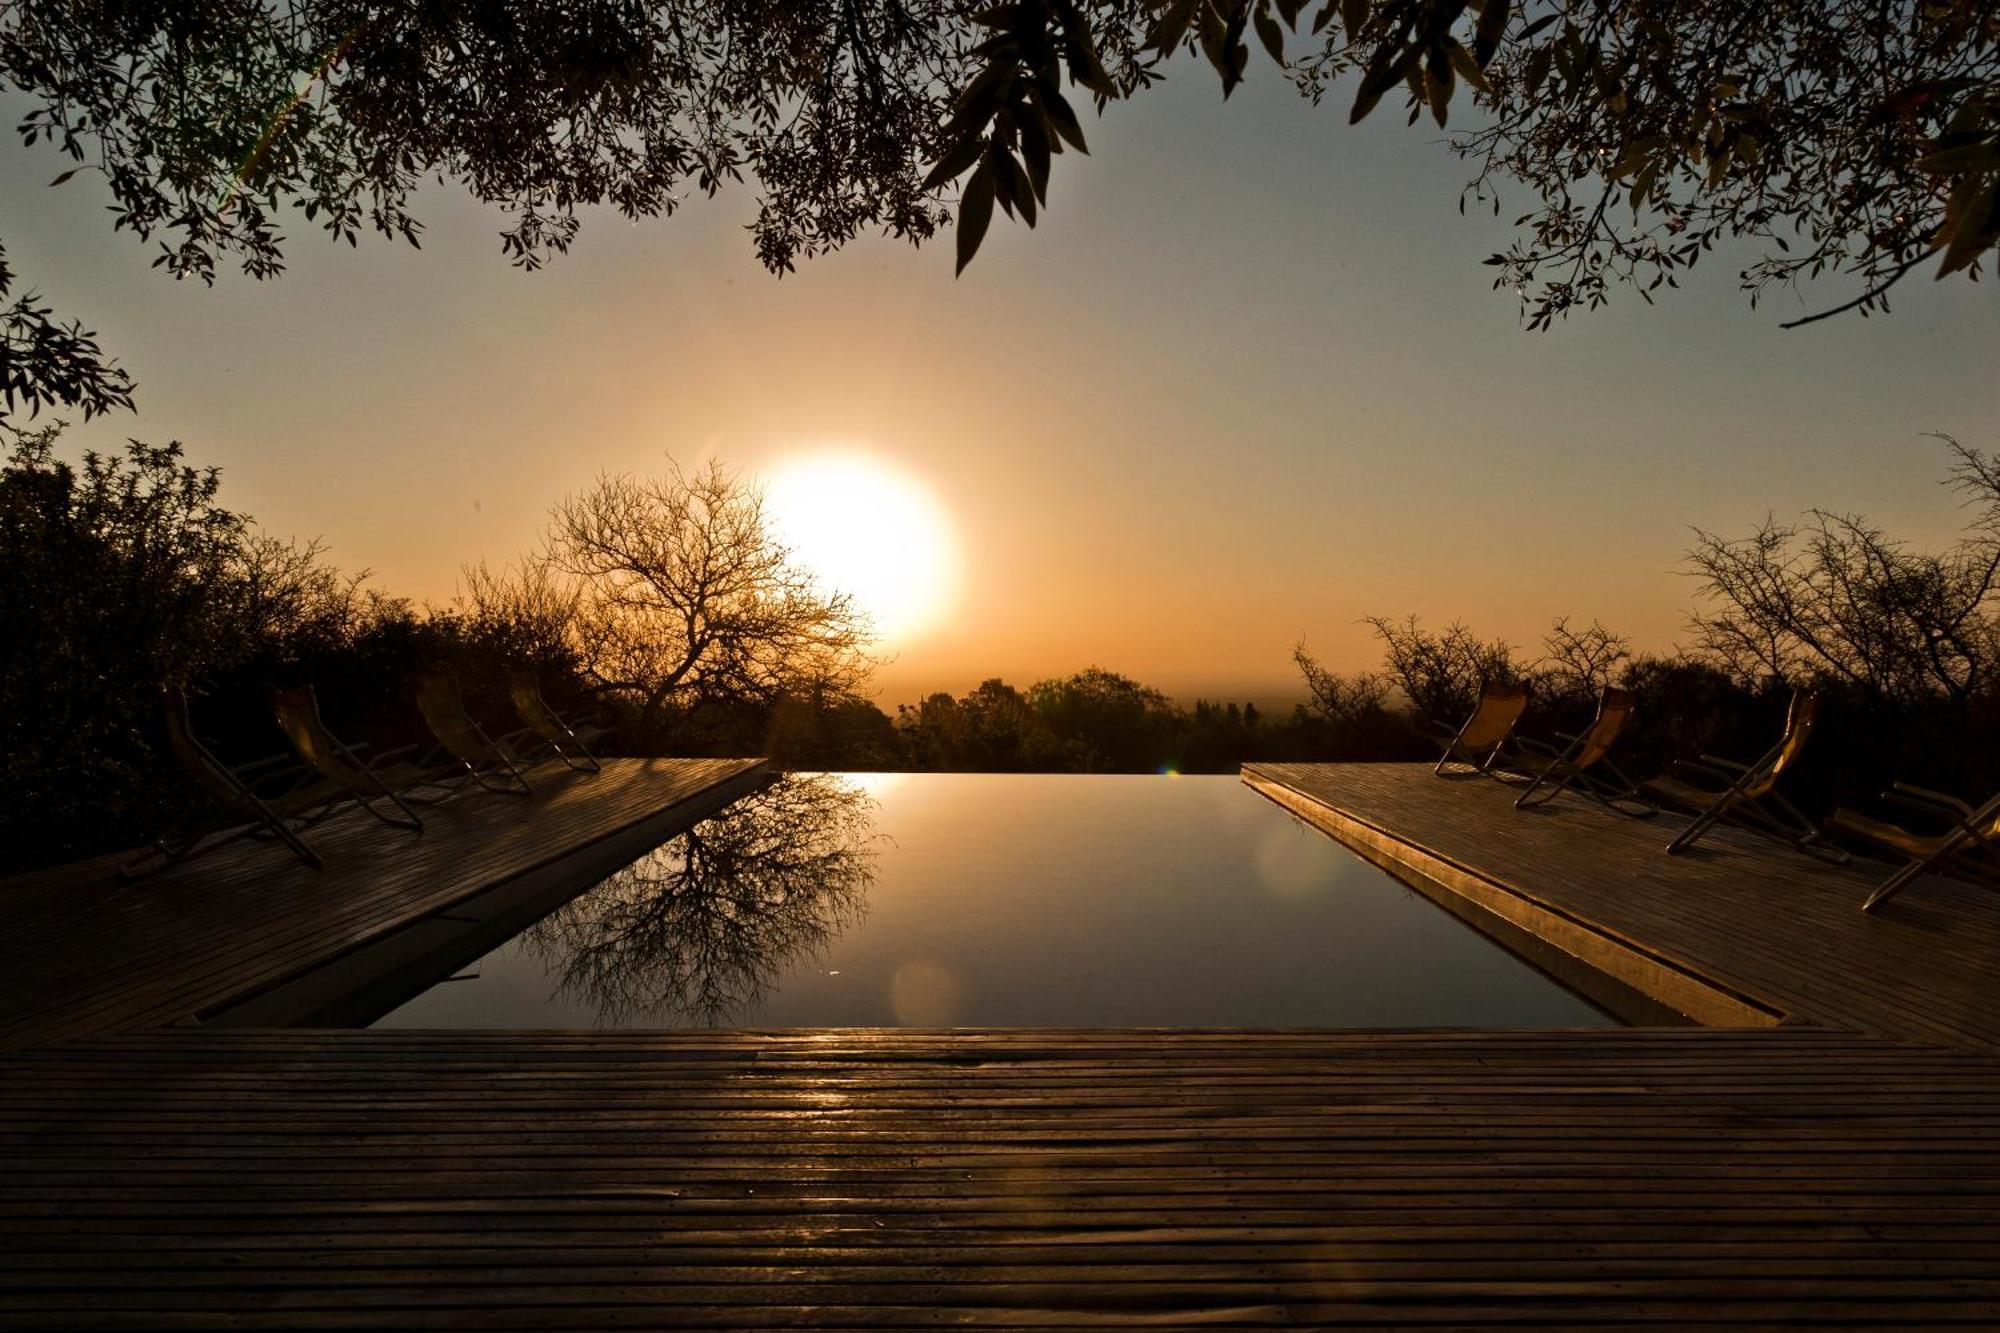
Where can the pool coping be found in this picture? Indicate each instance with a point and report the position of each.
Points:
(358, 986)
(1621, 975)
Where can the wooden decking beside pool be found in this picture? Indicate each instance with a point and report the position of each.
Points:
(1740, 931)
(1825, 1151)
(1680, 1177)
(84, 953)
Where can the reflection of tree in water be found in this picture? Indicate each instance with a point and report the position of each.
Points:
(701, 927)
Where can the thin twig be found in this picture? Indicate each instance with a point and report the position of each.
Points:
(1862, 299)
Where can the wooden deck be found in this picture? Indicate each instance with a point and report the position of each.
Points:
(1678, 1177)
(1760, 1173)
(1741, 931)
(83, 953)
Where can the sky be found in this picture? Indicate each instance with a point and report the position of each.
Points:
(1244, 385)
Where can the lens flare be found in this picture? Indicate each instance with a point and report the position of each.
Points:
(925, 994)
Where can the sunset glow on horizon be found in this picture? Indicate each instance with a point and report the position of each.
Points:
(1132, 444)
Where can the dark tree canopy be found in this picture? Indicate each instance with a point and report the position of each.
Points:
(124, 572)
(1842, 138)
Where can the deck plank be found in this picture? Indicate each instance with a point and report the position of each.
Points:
(85, 953)
(906, 1178)
(1748, 917)
(1841, 1166)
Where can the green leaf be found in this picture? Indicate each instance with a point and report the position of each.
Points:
(1492, 26)
(1014, 187)
(975, 214)
(982, 88)
(1438, 82)
(65, 176)
(1035, 149)
(1718, 168)
(1211, 34)
(1642, 188)
(1223, 44)
(1977, 213)
(1171, 27)
(1538, 69)
(1084, 66)
(1468, 68)
(1081, 49)
(1383, 76)
(1354, 17)
(1270, 34)
(1061, 118)
(1003, 184)
(954, 163)
(978, 103)
(1945, 162)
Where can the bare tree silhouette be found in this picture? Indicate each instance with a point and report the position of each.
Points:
(673, 590)
(701, 928)
(1834, 596)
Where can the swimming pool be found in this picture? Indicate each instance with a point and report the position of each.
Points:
(997, 900)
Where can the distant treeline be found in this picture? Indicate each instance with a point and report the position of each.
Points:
(1095, 721)
(666, 604)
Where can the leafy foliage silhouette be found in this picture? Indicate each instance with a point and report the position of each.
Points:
(1840, 137)
(122, 573)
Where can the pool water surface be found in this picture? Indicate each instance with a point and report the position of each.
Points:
(999, 900)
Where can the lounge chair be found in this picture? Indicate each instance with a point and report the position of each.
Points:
(1969, 847)
(279, 812)
(1748, 793)
(1484, 735)
(493, 762)
(1585, 762)
(571, 743)
(387, 777)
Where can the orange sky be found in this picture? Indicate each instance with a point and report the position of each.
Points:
(1245, 383)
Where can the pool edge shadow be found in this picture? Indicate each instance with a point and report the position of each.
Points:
(1622, 978)
(357, 987)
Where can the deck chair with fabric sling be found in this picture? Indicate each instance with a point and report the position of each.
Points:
(494, 762)
(1748, 793)
(292, 798)
(1584, 763)
(1971, 847)
(386, 778)
(1485, 734)
(570, 741)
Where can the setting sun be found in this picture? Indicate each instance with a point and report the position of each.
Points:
(866, 528)
(1170, 729)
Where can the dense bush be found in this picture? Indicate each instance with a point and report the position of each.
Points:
(120, 574)
(1903, 646)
